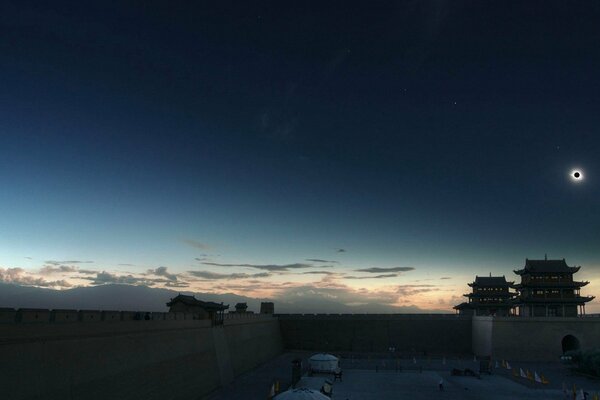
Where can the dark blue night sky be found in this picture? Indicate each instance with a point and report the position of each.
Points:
(437, 136)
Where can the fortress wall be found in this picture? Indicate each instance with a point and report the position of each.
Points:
(64, 316)
(540, 338)
(431, 333)
(129, 359)
(482, 335)
(252, 344)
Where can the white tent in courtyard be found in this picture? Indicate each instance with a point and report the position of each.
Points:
(323, 363)
(301, 394)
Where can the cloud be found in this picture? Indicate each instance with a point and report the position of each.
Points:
(104, 277)
(318, 260)
(126, 265)
(445, 277)
(206, 257)
(49, 269)
(54, 262)
(318, 273)
(270, 267)
(18, 276)
(340, 250)
(376, 270)
(60, 268)
(411, 290)
(177, 284)
(162, 271)
(372, 277)
(342, 294)
(216, 276)
(196, 244)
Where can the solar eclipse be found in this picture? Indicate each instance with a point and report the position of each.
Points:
(576, 175)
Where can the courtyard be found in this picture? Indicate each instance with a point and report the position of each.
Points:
(414, 378)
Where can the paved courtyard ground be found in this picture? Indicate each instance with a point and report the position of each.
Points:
(413, 378)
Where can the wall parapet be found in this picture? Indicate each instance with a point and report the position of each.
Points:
(61, 316)
(374, 316)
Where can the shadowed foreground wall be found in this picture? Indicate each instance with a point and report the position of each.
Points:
(166, 359)
(433, 333)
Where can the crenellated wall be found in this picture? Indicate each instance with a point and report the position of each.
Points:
(91, 354)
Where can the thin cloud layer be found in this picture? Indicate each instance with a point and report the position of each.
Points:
(377, 270)
(318, 260)
(70, 262)
(49, 269)
(269, 267)
(411, 290)
(217, 276)
(177, 284)
(318, 273)
(60, 269)
(196, 244)
(372, 277)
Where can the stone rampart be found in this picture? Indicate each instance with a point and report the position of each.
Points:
(533, 338)
(87, 354)
(407, 333)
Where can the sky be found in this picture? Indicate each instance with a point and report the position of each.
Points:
(369, 152)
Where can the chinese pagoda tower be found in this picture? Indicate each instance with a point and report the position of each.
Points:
(490, 296)
(547, 289)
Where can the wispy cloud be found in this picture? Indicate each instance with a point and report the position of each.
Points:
(196, 244)
(340, 250)
(445, 277)
(376, 270)
(270, 267)
(69, 262)
(318, 260)
(318, 273)
(177, 284)
(372, 277)
(60, 268)
(216, 276)
(411, 290)
(49, 269)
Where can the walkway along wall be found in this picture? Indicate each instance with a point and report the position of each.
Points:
(129, 359)
(432, 333)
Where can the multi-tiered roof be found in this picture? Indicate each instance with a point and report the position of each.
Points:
(491, 295)
(547, 288)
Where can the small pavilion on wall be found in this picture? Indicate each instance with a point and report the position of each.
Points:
(200, 309)
(547, 289)
(490, 295)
